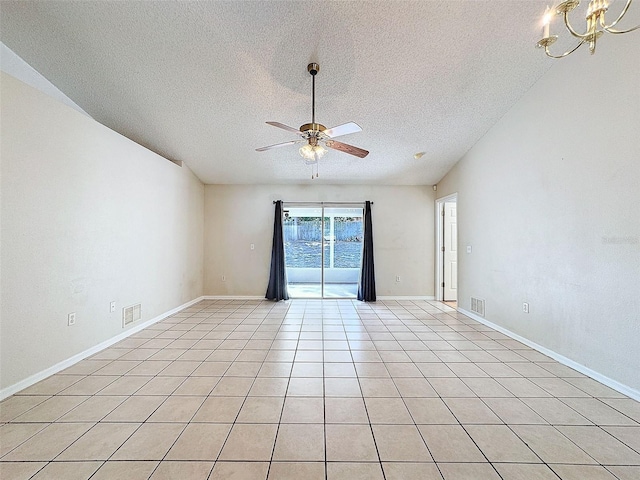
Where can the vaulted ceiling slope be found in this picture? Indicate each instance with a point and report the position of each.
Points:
(196, 81)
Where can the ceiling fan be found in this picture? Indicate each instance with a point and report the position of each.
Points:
(315, 135)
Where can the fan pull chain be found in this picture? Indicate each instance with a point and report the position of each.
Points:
(316, 173)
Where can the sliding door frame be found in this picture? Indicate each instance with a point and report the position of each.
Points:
(322, 206)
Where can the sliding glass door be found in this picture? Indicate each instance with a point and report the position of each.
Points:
(302, 232)
(343, 251)
(323, 250)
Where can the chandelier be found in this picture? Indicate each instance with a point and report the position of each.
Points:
(596, 25)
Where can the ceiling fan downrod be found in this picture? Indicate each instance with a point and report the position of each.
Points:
(312, 129)
(313, 69)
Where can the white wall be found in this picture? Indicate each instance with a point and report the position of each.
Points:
(549, 199)
(238, 215)
(88, 217)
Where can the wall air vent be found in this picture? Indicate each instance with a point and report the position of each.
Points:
(477, 306)
(131, 314)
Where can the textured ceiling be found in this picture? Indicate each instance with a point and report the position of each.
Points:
(195, 81)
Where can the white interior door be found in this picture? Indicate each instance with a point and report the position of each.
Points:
(450, 243)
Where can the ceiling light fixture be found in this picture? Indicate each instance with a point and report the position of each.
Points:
(312, 153)
(596, 25)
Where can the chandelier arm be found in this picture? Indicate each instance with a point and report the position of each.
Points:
(611, 30)
(613, 24)
(571, 30)
(568, 52)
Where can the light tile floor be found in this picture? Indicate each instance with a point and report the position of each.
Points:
(319, 389)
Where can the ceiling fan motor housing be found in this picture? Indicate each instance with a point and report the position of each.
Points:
(312, 127)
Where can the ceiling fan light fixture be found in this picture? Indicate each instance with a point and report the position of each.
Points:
(312, 153)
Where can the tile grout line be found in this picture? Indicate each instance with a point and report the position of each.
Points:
(284, 402)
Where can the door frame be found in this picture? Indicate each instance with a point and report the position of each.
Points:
(439, 228)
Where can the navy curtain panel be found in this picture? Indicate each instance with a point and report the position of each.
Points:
(367, 283)
(277, 289)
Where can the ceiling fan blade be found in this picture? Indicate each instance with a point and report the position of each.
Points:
(285, 127)
(277, 145)
(343, 129)
(346, 148)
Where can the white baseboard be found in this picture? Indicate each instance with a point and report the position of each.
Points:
(406, 297)
(58, 367)
(609, 382)
(233, 297)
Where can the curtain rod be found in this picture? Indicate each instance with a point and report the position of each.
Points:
(322, 203)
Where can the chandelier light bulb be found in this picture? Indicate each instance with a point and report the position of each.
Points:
(546, 21)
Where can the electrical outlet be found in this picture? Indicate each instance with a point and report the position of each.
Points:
(525, 307)
(112, 307)
(224, 278)
(397, 278)
(253, 246)
(468, 248)
(71, 319)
